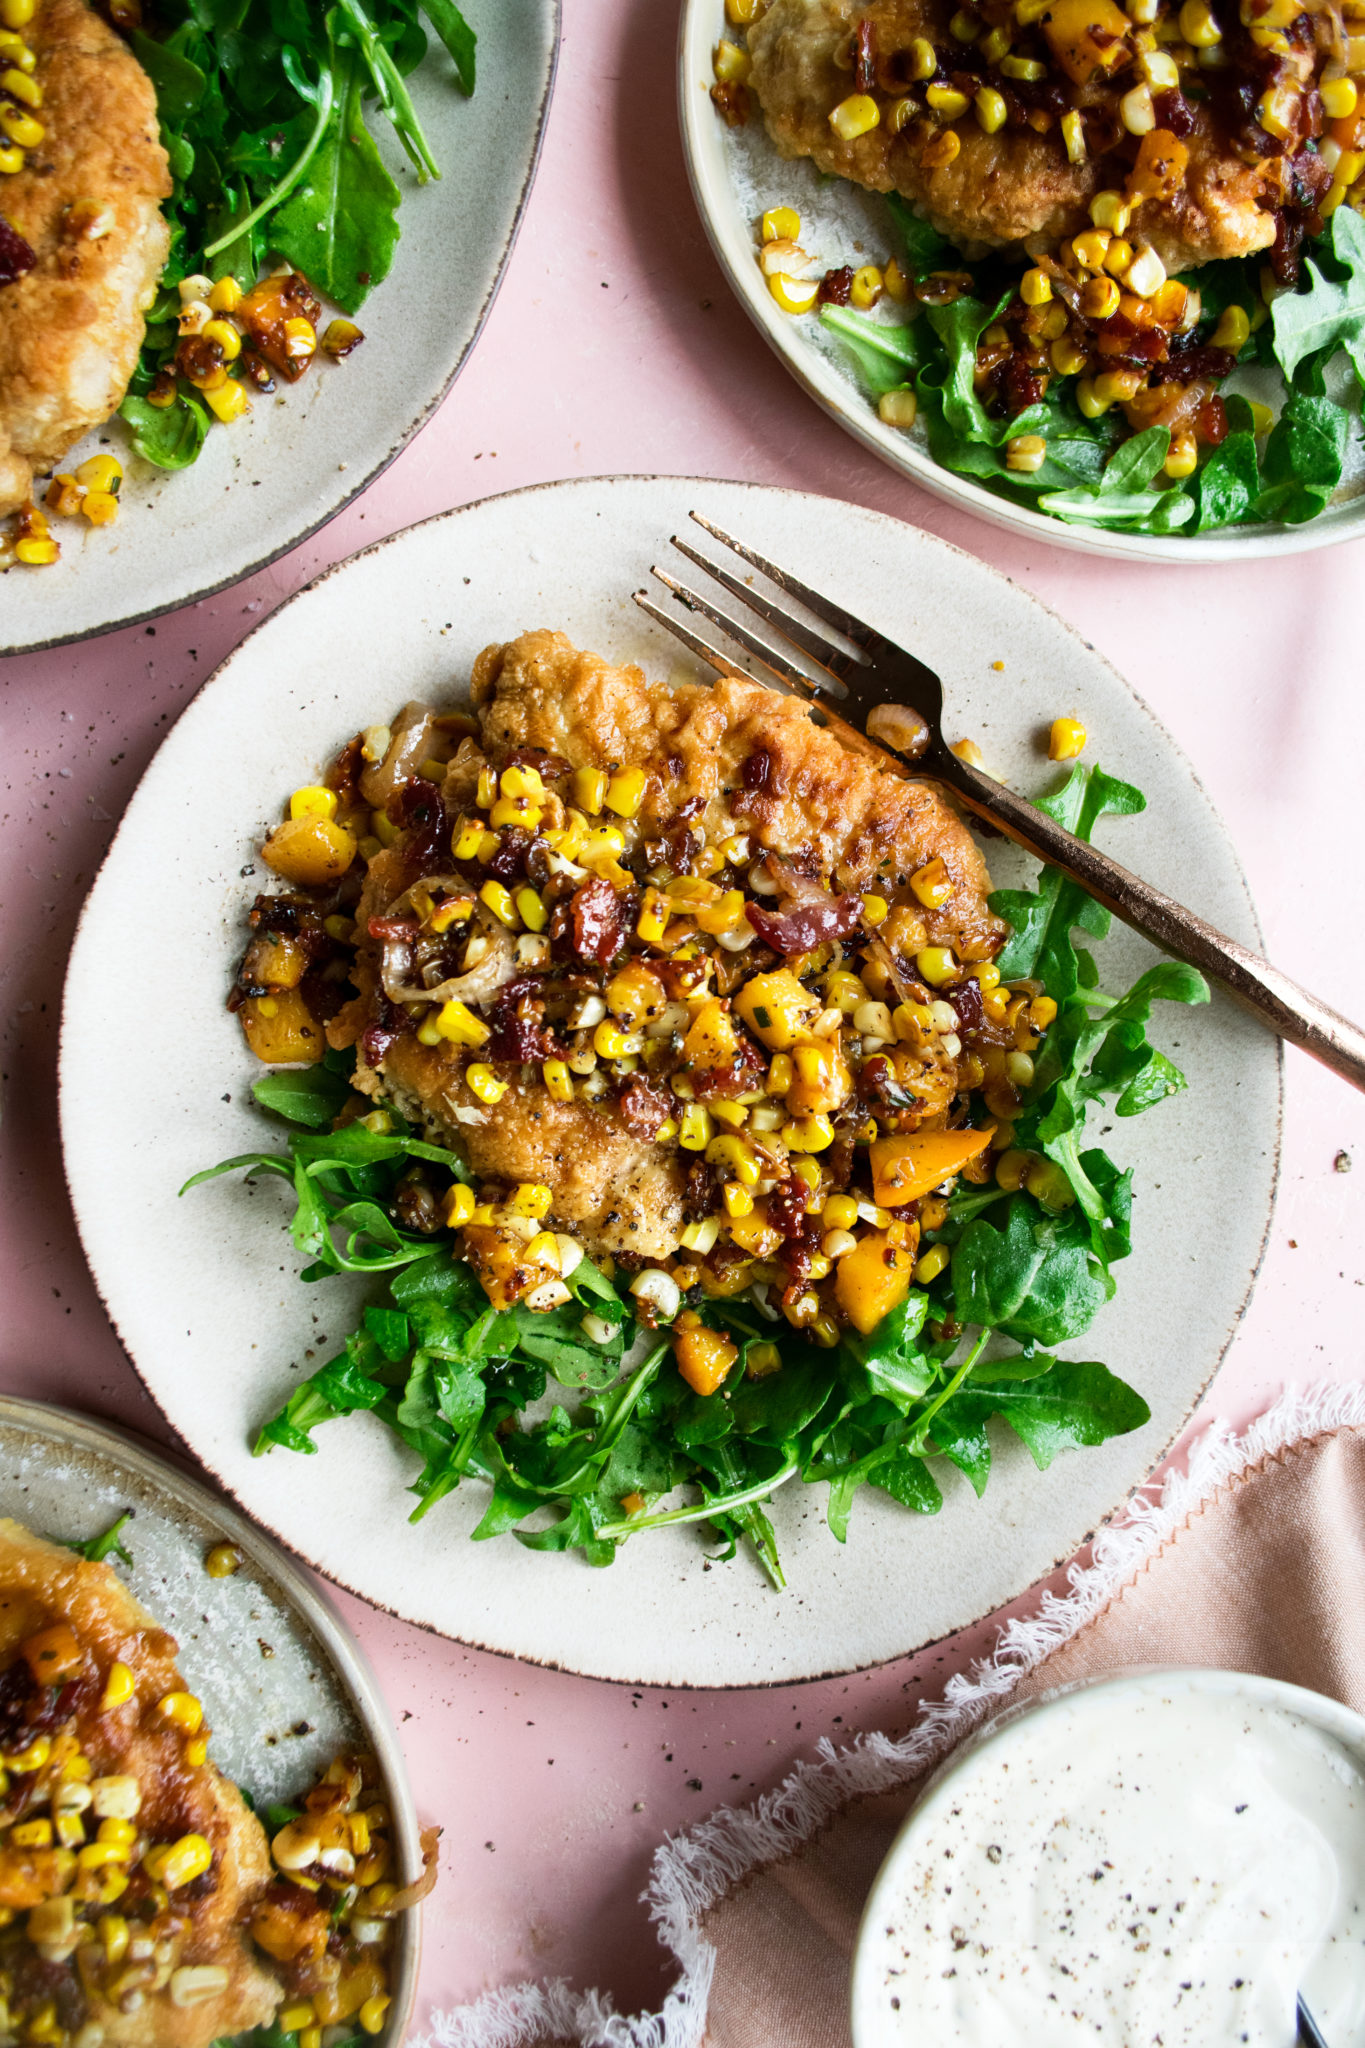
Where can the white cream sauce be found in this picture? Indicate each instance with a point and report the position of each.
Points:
(1133, 1871)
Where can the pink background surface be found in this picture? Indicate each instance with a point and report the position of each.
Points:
(614, 346)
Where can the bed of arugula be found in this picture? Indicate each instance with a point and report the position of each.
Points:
(1091, 475)
(454, 1378)
(262, 105)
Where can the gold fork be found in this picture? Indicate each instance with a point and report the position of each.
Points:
(897, 700)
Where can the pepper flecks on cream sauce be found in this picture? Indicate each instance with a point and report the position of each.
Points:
(1124, 1870)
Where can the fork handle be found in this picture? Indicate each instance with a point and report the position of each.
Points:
(1271, 997)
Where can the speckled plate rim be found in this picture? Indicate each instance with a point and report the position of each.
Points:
(981, 1749)
(396, 446)
(273, 1564)
(700, 22)
(1274, 1139)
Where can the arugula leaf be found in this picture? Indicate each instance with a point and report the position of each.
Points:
(925, 247)
(1330, 312)
(458, 37)
(340, 224)
(959, 328)
(1032, 1280)
(887, 354)
(1060, 1405)
(1303, 456)
(314, 1096)
(1228, 483)
(168, 436)
(1042, 919)
(96, 1549)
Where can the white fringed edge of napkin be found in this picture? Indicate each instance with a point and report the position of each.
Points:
(692, 1872)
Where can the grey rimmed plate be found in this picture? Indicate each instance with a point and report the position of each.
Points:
(264, 484)
(284, 1686)
(736, 173)
(204, 1293)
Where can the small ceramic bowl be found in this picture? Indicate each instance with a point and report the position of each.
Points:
(936, 1913)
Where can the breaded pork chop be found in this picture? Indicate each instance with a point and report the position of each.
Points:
(78, 1618)
(87, 202)
(1016, 187)
(734, 759)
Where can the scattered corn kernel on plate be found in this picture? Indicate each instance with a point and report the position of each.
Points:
(752, 202)
(281, 1684)
(205, 1292)
(292, 460)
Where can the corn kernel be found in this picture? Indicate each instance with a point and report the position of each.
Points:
(454, 910)
(780, 224)
(313, 803)
(990, 110)
(1262, 419)
(227, 401)
(899, 407)
(1146, 273)
(932, 884)
(808, 1134)
(936, 965)
(793, 294)
(33, 1756)
(499, 900)
(1035, 287)
(730, 64)
(371, 2014)
(1073, 136)
(867, 287)
(590, 789)
(695, 1128)
(37, 552)
(1339, 98)
(183, 1709)
(1026, 453)
(1136, 111)
(1067, 357)
(531, 910)
(226, 296)
(32, 1834)
(485, 1083)
(557, 1079)
(515, 810)
(532, 1198)
(456, 1022)
(294, 2018)
(1100, 298)
(626, 792)
(1233, 329)
(196, 1753)
(857, 115)
(1065, 741)
(121, 1833)
(931, 1265)
(1182, 457)
(738, 1201)
(459, 1206)
(897, 283)
(1027, 70)
(1198, 26)
(311, 2037)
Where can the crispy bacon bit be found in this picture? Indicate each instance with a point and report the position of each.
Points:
(643, 1107)
(723, 1084)
(510, 859)
(967, 1003)
(836, 288)
(731, 102)
(519, 1030)
(398, 930)
(1198, 362)
(1174, 111)
(864, 56)
(416, 808)
(787, 1206)
(880, 1089)
(808, 925)
(599, 921)
(390, 1023)
(757, 771)
(16, 257)
(699, 1191)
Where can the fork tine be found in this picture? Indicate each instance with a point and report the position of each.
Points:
(821, 651)
(671, 623)
(855, 629)
(771, 657)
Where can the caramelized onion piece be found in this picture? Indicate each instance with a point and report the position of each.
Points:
(410, 745)
(413, 1894)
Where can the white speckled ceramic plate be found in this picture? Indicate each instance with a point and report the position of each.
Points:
(203, 1291)
(1098, 1720)
(736, 173)
(264, 484)
(284, 1686)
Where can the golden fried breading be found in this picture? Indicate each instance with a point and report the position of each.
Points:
(746, 760)
(87, 204)
(42, 1586)
(1015, 187)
